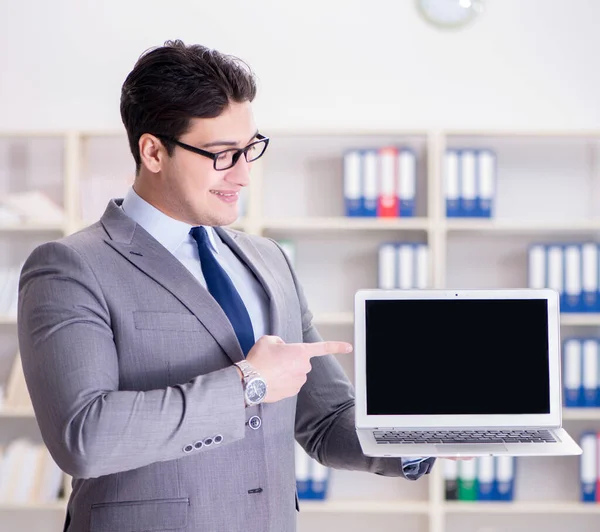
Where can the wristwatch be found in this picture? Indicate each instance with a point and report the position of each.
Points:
(255, 387)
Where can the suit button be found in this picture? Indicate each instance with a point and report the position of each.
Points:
(208, 442)
(188, 448)
(198, 445)
(218, 439)
(255, 422)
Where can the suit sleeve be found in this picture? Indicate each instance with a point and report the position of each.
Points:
(325, 414)
(71, 367)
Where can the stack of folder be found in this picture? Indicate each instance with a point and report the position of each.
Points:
(380, 182)
(28, 474)
(570, 269)
(312, 478)
(485, 478)
(470, 182)
(17, 394)
(581, 364)
(403, 265)
(589, 466)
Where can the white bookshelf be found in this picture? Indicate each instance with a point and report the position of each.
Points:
(342, 223)
(17, 413)
(296, 194)
(58, 506)
(365, 507)
(550, 507)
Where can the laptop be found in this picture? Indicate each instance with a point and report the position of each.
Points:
(459, 373)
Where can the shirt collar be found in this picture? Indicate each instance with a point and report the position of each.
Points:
(169, 232)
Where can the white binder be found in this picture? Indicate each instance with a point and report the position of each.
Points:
(468, 183)
(405, 267)
(555, 269)
(572, 276)
(573, 361)
(589, 277)
(370, 191)
(452, 183)
(590, 372)
(422, 266)
(537, 266)
(387, 266)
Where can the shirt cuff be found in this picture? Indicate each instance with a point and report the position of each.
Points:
(412, 466)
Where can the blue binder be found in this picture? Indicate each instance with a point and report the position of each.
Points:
(319, 480)
(302, 469)
(370, 182)
(572, 271)
(452, 183)
(505, 477)
(486, 474)
(590, 368)
(352, 177)
(589, 277)
(468, 183)
(588, 466)
(555, 271)
(486, 182)
(537, 266)
(572, 372)
(407, 185)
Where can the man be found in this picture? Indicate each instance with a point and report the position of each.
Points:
(169, 359)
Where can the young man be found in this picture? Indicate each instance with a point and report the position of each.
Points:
(169, 359)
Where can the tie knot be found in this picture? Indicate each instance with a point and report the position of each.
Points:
(200, 235)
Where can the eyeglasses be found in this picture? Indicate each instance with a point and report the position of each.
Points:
(226, 159)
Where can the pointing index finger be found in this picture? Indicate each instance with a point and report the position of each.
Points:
(317, 349)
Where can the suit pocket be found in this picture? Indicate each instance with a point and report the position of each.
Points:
(140, 516)
(165, 321)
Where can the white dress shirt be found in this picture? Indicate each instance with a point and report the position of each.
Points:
(175, 236)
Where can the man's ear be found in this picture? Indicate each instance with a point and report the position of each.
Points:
(152, 152)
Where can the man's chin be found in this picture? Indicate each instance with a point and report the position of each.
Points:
(224, 220)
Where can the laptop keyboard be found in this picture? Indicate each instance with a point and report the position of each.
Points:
(464, 436)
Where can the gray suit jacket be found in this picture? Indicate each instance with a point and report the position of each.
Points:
(128, 360)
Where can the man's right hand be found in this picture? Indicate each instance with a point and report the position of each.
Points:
(284, 366)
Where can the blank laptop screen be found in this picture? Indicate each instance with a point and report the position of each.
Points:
(457, 357)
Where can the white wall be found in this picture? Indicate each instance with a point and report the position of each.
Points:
(526, 64)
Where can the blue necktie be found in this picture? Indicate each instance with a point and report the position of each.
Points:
(222, 289)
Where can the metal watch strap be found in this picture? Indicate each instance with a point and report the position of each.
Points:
(247, 369)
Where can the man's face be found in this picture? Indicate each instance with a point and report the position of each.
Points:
(192, 190)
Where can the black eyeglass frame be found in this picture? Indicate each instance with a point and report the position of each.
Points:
(214, 156)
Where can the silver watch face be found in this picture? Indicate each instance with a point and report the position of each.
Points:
(256, 390)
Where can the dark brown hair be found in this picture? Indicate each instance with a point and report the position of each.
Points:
(174, 83)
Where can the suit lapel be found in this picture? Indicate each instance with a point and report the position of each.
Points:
(248, 253)
(149, 256)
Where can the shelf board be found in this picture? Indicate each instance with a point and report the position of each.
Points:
(518, 226)
(584, 318)
(7, 319)
(574, 133)
(334, 318)
(364, 507)
(276, 131)
(345, 223)
(546, 507)
(25, 413)
(27, 507)
(31, 227)
(347, 318)
(574, 414)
